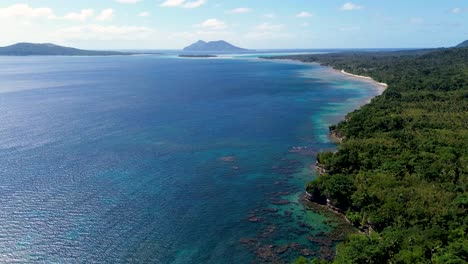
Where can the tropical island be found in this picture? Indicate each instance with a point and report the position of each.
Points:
(197, 56)
(48, 49)
(400, 173)
(213, 46)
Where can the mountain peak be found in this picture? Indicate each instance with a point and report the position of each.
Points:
(213, 46)
(463, 44)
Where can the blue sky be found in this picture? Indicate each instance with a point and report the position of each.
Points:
(173, 24)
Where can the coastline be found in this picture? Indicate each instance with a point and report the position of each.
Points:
(384, 85)
(354, 180)
(344, 225)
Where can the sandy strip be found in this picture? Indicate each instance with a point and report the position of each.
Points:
(293, 61)
(364, 77)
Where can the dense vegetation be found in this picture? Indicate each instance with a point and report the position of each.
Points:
(401, 172)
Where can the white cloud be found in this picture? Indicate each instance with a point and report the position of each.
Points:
(83, 15)
(105, 15)
(127, 1)
(458, 10)
(183, 3)
(270, 15)
(194, 4)
(27, 12)
(99, 32)
(172, 3)
(350, 6)
(212, 24)
(144, 14)
(240, 10)
(304, 14)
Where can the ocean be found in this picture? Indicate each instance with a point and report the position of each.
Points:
(159, 159)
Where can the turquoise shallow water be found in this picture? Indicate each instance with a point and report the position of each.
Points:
(148, 159)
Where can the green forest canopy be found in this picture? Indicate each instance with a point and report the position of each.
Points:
(402, 168)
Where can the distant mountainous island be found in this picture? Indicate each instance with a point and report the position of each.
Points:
(197, 56)
(463, 44)
(213, 46)
(48, 49)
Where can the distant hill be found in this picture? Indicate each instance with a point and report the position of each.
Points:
(47, 49)
(463, 44)
(213, 46)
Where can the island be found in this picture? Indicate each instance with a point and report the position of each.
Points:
(48, 49)
(213, 46)
(463, 44)
(197, 56)
(400, 172)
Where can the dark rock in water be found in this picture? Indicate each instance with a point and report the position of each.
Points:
(307, 252)
(247, 240)
(254, 219)
(281, 202)
(268, 231)
(266, 252)
(322, 241)
(228, 159)
(282, 249)
(295, 246)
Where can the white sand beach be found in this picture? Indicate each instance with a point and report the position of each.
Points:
(364, 77)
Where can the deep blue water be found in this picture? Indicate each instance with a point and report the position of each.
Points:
(148, 159)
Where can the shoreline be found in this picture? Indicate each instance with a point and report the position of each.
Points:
(345, 226)
(381, 85)
(384, 85)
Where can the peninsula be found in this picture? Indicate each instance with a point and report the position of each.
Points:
(48, 49)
